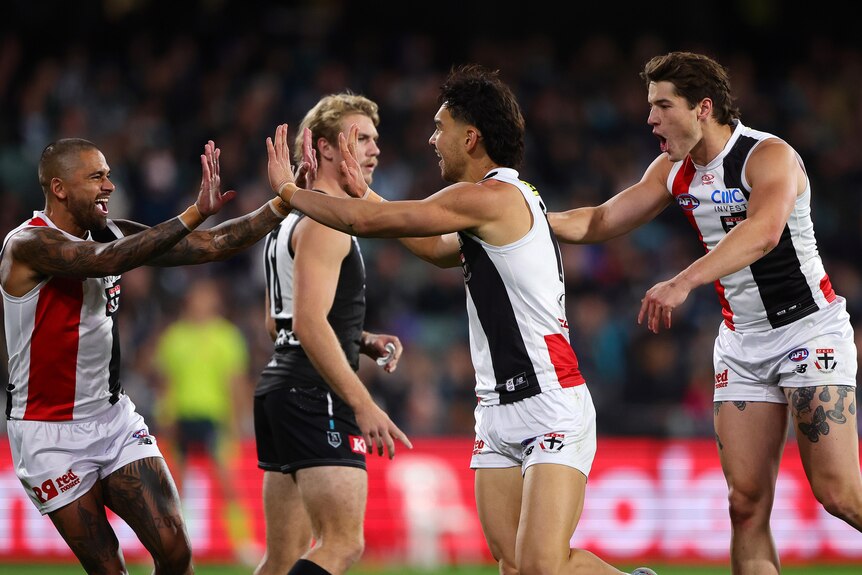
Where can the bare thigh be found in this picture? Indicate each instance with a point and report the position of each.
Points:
(824, 419)
(498, 503)
(750, 438)
(85, 528)
(144, 495)
(324, 489)
(552, 502)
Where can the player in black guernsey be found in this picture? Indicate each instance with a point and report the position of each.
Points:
(314, 419)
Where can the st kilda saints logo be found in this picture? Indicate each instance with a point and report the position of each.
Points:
(112, 294)
(552, 442)
(825, 361)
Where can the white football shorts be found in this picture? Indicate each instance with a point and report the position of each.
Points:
(58, 462)
(816, 350)
(557, 426)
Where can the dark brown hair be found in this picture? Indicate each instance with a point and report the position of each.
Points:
(695, 77)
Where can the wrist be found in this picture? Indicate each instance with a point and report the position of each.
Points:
(371, 195)
(280, 207)
(191, 218)
(286, 190)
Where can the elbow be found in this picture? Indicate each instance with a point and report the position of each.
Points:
(301, 327)
(770, 240)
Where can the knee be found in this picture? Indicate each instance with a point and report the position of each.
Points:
(353, 550)
(837, 500)
(537, 564)
(748, 504)
(175, 559)
(345, 550)
(507, 568)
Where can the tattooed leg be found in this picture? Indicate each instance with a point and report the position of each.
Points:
(85, 528)
(824, 418)
(144, 495)
(750, 438)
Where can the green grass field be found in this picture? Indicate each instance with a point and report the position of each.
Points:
(204, 569)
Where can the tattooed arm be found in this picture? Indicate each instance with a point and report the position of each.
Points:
(221, 241)
(34, 254)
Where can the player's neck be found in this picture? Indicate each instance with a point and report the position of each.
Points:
(329, 184)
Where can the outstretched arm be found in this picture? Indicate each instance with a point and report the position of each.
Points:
(226, 239)
(36, 253)
(621, 214)
(460, 206)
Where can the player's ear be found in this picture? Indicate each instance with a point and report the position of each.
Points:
(472, 138)
(58, 188)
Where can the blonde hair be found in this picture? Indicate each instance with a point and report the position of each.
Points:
(324, 119)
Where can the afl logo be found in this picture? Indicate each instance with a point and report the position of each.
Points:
(687, 202)
(800, 354)
(707, 178)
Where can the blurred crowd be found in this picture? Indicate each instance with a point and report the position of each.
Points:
(151, 89)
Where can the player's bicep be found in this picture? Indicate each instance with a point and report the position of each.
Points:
(49, 253)
(774, 173)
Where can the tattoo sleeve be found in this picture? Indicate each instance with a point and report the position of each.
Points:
(50, 253)
(221, 241)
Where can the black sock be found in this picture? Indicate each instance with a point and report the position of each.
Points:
(306, 567)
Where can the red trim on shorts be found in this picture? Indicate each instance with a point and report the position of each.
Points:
(564, 360)
(54, 351)
(826, 288)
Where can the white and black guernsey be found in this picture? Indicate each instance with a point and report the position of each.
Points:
(63, 341)
(290, 366)
(519, 334)
(783, 286)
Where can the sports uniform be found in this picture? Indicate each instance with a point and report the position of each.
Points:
(534, 405)
(68, 415)
(783, 323)
(299, 421)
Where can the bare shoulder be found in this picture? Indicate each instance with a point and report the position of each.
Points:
(771, 156)
(319, 238)
(773, 149)
(30, 242)
(23, 254)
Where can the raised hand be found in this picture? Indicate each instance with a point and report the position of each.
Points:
(352, 179)
(210, 198)
(278, 166)
(306, 172)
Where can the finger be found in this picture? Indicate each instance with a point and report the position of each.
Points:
(205, 169)
(354, 139)
(270, 149)
(216, 155)
(390, 445)
(667, 318)
(642, 312)
(402, 437)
